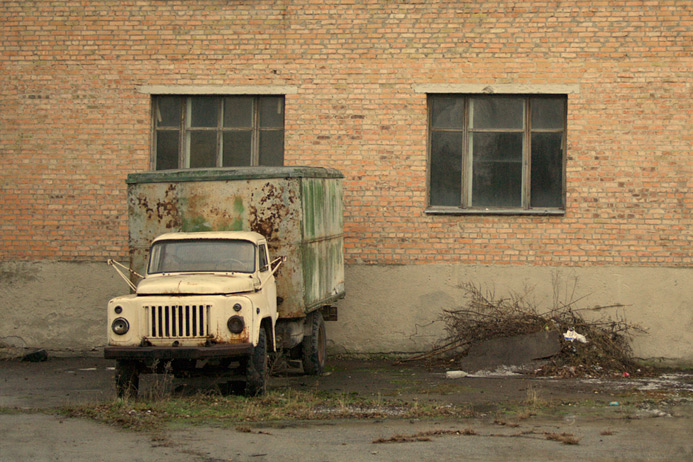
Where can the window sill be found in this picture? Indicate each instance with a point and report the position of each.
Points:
(459, 211)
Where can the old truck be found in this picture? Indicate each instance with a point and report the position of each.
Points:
(237, 263)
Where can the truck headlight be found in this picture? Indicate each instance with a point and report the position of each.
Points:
(120, 326)
(236, 324)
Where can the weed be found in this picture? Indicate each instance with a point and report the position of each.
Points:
(565, 438)
(276, 405)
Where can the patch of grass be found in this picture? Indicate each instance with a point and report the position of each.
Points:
(15, 411)
(275, 406)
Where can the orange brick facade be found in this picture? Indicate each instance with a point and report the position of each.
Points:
(73, 123)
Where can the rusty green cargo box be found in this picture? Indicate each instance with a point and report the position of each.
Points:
(298, 209)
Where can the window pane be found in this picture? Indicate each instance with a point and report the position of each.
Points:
(237, 148)
(497, 147)
(204, 111)
(447, 112)
(446, 168)
(497, 184)
(167, 150)
(497, 169)
(238, 111)
(203, 149)
(548, 113)
(272, 147)
(272, 112)
(547, 170)
(497, 113)
(168, 111)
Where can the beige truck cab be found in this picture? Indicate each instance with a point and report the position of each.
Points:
(208, 301)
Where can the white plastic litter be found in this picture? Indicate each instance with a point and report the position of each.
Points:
(572, 336)
(455, 374)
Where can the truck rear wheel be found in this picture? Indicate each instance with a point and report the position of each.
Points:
(315, 345)
(257, 372)
(127, 379)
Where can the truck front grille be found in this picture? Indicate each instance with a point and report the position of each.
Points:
(178, 321)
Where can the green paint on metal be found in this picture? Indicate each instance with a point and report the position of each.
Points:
(238, 206)
(309, 273)
(236, 225)
(236, 173)
(196, 224)
(201, 224)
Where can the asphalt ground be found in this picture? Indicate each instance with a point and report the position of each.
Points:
(648, 418)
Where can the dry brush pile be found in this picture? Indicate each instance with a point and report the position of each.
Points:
(486, 316)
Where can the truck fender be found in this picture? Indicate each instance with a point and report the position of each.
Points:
(267, 324)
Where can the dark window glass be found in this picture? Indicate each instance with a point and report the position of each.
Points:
(238, 111)
(497, 184)
(203, 149)
(446, 168)
(167, 149)
(272, 112)
(263, 258)
(447, 112)
(500, 158)
(218, 131)
(237, 148)
(204, 111)
(548, 113)
(547, 170)
(271, 148)
(168, 111)
(497, 112)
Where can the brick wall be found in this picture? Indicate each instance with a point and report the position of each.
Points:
(73, 125)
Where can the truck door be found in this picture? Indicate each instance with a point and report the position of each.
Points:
(270, 287)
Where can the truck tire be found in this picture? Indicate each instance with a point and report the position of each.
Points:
(127, 379)
(257, 372)
(315, 345)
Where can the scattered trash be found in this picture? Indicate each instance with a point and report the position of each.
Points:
(626, 374)
(572, 336)
(502, 371)
(455, 374)
(614, 403)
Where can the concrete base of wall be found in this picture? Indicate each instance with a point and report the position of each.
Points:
(56, 306)
(388, 309)
(398, 308)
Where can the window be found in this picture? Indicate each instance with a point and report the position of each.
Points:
(218, 131)
(497, 153)
(203, 255)
(264, 263)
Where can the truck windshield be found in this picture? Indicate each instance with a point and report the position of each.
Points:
(204, 255)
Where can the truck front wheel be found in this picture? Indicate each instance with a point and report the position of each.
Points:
(127, 379)
(315, 345)
(257, 372)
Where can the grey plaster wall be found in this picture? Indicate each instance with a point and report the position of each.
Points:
(61, 306)
(57, 306)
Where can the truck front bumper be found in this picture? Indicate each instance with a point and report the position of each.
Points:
(171, 353)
